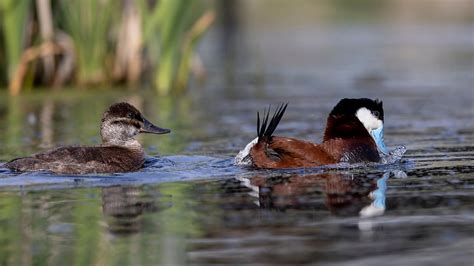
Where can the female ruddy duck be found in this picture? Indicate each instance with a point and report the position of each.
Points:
(354, 133)
(119, 151)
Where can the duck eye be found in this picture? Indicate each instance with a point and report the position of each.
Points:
(376, 113)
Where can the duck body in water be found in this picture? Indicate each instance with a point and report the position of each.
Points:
(119, 151)
(354, 133)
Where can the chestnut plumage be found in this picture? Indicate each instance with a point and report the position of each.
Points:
(354, 133)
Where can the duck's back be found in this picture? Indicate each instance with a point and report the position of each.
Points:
(283, 152)
(82, 160)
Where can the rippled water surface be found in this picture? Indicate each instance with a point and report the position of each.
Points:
(192, 206)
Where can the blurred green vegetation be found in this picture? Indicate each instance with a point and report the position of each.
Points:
(13, 20)
(96, 42)
(88, 22)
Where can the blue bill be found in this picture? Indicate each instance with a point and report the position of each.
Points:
(377, 135)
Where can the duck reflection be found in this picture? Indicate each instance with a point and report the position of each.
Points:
(343, 194)
(124, 207)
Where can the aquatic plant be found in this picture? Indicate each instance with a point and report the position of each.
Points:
(13, 20)
(89, 22)
(179, 24)
(102, 41)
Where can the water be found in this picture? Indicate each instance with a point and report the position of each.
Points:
(192, 206)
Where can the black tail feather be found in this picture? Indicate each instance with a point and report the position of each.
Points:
(265, 129)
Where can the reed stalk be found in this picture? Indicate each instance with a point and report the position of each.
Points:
(102, 41)
(14, 18)
(89, 22)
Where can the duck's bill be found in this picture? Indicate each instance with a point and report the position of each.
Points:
(150, 128)
(377, 135)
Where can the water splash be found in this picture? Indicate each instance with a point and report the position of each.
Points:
(394, 156)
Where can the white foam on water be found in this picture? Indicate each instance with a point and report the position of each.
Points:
(243, 157)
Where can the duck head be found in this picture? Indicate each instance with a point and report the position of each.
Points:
(356, 118)
(122, 122)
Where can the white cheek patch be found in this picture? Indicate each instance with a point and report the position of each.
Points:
(118, 132)
(132, 131)
(369, 121)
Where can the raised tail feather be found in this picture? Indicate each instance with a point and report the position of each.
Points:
(265, 129)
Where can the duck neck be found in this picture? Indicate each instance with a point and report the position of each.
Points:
(130, 143)
(344, 127)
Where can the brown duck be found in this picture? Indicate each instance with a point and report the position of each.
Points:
(119, 151)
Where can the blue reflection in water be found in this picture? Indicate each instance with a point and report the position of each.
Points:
(377, 207)
(342, 193)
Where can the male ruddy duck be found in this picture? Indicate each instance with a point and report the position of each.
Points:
(354, 133)
(119, 151)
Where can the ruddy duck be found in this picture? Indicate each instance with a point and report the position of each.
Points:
(354, 133)
(119, 151)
